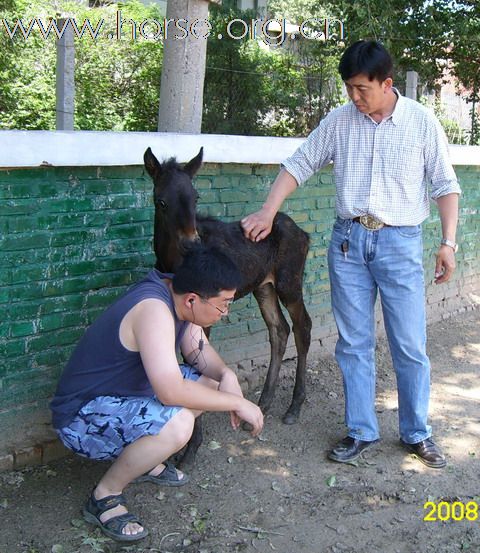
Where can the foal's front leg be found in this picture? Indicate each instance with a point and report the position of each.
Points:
(186, 459)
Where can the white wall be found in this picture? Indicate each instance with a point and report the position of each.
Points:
(98, 148)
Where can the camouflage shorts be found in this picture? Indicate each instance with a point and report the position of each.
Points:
(107, 424)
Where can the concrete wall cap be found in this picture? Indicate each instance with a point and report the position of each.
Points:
(103, 148)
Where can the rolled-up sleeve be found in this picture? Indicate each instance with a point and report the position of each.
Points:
(438, 167)
(314, 153)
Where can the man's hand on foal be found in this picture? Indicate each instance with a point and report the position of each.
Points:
(258, 225)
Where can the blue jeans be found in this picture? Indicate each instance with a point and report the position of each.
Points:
(389, 261)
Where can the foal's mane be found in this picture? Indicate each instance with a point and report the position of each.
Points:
(171, 165)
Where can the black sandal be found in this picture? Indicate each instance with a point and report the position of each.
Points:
(168, 477)
(114, 526)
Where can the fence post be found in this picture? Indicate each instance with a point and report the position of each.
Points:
(183, 71)
(411, 86)
(65, 74)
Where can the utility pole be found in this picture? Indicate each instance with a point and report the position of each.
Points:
(183, 71)
(65, 75)
(411, 86)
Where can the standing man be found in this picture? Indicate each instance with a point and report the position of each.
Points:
(123, 396)
(386, 150)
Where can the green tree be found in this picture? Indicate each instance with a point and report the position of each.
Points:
(117, 81)
(253, 89)
(297, 11)
(27, 95)
(427, 37)
(250, 87)
(233, 79)
(414, 31)
(465, 59)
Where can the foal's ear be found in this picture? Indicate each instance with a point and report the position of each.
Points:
(194, 164)
(151, 163)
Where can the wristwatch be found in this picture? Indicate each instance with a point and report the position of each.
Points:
(445, 242)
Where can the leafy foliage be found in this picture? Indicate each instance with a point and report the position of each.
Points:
(117, 81)
(454, 132)
(253, 89)
(28, 91)
(465, 59)
(250, 88)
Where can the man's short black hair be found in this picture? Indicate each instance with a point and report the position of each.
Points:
(367, 57)
(206, 271)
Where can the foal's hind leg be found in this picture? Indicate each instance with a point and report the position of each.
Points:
(278, 330)
(302, 326)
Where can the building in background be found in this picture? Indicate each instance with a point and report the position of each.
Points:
(260, 6)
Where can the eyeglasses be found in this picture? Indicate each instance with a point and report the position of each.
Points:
(226, 303)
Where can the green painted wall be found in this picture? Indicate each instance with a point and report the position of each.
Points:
(72, 239)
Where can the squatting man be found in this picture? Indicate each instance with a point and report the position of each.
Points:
(123, 395)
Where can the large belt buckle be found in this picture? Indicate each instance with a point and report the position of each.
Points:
(370, 223)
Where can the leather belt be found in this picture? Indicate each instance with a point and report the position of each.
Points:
(370, 223)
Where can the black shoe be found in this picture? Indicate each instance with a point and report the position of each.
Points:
(349, 449)
(427, 452)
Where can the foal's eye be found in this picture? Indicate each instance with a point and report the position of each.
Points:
(161, 203)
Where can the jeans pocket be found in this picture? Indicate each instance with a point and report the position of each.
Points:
(409, 231)
(340, 225)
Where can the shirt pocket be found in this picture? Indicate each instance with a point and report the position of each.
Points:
(402, 160)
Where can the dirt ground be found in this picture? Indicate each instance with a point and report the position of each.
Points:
(279, 492)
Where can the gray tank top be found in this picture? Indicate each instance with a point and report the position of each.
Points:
(100, 365)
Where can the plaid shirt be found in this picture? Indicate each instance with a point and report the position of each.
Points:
(381, 169)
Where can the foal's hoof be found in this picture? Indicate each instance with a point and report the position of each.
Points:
(184, 459)
(290, 418)
(186, 463)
